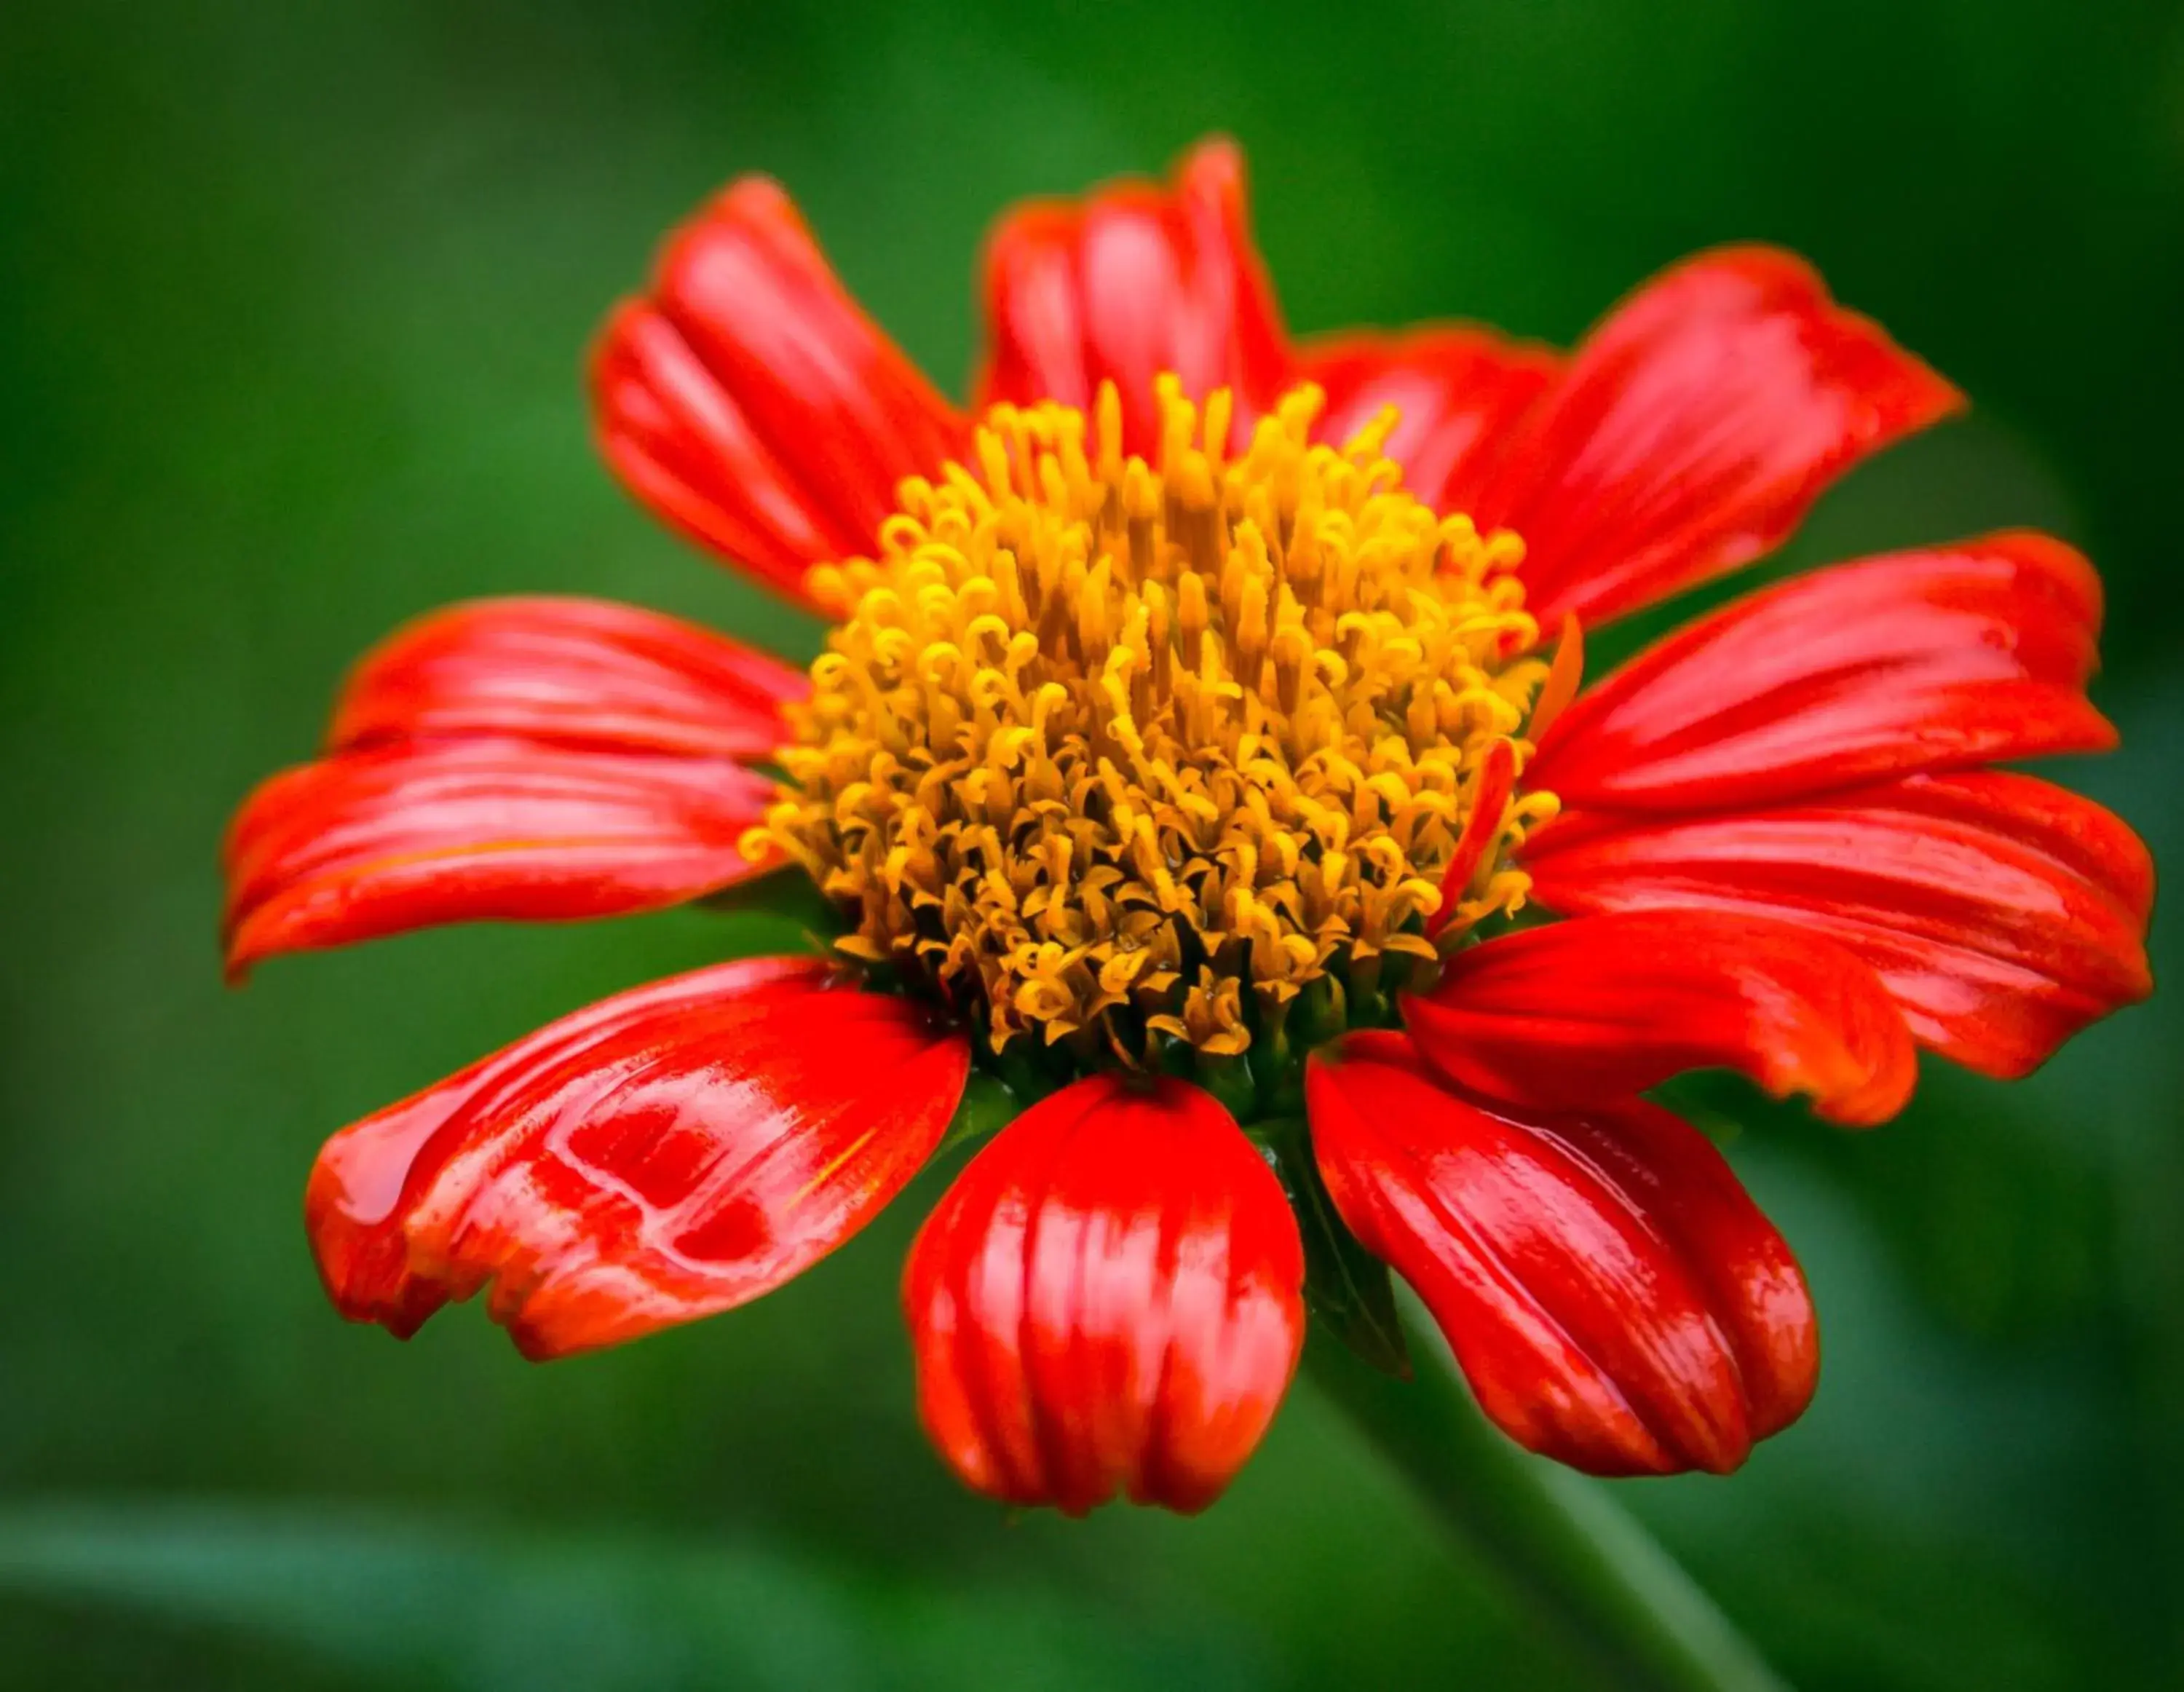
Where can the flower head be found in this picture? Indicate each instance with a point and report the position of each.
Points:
(1104, 751)
(1199, 768)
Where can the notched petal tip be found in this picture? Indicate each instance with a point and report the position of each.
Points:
(1615, 1298)
(2003, 913)
(1107, 1303)
(1132, 280)
(749, 401)
(408, 834)
(566, 671)
(1940, 658)
(666, 1153)
(1597, 1009)
(1694, 428)
(1902, 393)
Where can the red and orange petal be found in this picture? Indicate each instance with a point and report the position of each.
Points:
(1108, 1301)
(1135, 280)
(1693, 428)
(1482, 829)
(584, 674)
(1560, 1016)
(1612, 1295)
(2001, 912)
(1458, 389)
(540, 759)
(748, 399)
(1942, 658)
(664, 1154)
(369, 844)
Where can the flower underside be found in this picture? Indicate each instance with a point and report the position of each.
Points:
(1131, 757)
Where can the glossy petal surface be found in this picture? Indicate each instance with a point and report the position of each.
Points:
(2003, 913)
(1109, 1300)
(584, 674)
(1498, 778)
(1459, 388)
(1132, 280)
(1600, 1008)
(1614, 1298)
(672, 1152)
(752, 404)
(1929, 660)
(1694, 428)
(406, 835)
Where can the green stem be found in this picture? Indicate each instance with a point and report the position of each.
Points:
(1585, 1567)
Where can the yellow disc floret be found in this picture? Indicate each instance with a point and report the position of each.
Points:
(1123, 754)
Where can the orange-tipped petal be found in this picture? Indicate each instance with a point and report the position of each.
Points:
(535, 759)
(2003, 913)
(1565, 674)
(1939, 659)
(585, 674)
(1482, 828)
(669, 1153)
(1598, 1008)
(1108, 1301)
(1458, 390)
(1614, 1298)
(1693, 428)
(414, 833)
(1132, 280)
(749, 402)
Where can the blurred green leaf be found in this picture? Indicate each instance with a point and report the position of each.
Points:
(416, 1602)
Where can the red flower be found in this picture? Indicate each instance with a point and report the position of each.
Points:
(1142, 780)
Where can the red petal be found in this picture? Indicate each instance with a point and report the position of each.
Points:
(1614, 1298)
(1460, 390)
(1482, 828)
(749, 401)
(1135, 281)
(377, 842)
(2003, 913)
(662, 1155)
(1574, 1013)
(1109, 1299)
(1694, 428)
(584, 674)
(1917, 660)
(1564, 676)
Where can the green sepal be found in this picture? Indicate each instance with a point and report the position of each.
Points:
(1347, 1289)
(1230, 1080)
(1169, 1055)
(1018, 1068)
(988, 1105)
(1321, 1012)
(1279, 1068)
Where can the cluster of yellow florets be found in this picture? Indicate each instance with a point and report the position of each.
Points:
(1103, 752)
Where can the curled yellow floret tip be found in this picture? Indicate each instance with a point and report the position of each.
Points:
(1125, 754)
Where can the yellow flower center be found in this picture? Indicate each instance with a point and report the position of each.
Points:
(1126, 755)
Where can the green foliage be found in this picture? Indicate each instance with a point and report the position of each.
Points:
(418, 1603)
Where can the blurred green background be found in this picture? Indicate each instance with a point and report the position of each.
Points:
(292, 301)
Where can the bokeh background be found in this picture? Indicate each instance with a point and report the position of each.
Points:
(292, 303)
